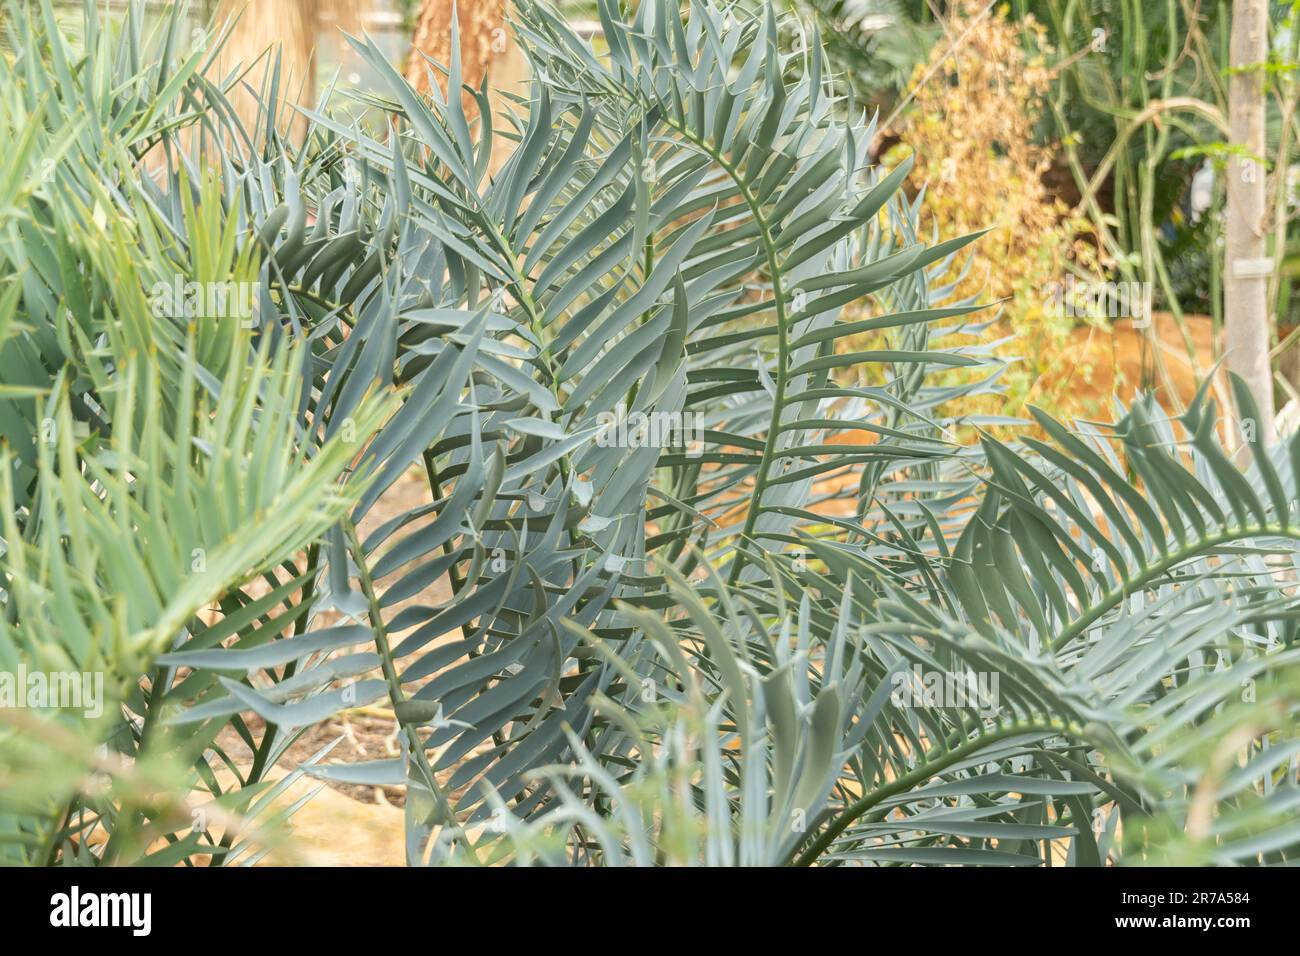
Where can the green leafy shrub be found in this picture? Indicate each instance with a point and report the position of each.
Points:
(689, 571)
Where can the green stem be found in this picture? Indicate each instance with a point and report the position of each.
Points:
(135, 818)
(782, 342)
(912, 779)
(49, 851)
(1151, 572)
(415, 745)
(263, 752)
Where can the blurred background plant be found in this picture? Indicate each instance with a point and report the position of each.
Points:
(971, 117)
(287, 40)
(877, 44)
(1142, 108)
(1128, 105)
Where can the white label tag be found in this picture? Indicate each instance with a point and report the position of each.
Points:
(1251, 268)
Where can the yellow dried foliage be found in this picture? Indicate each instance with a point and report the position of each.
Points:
(971, 127)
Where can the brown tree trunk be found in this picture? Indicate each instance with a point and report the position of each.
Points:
(1245, 287)
(290, 29)
(487, 48)
(484, 38)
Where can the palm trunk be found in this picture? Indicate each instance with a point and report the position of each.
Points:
(290, 28)
(1245, 290)
(486, 49)
(483, 38)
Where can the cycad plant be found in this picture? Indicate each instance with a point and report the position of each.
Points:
(718, 590)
